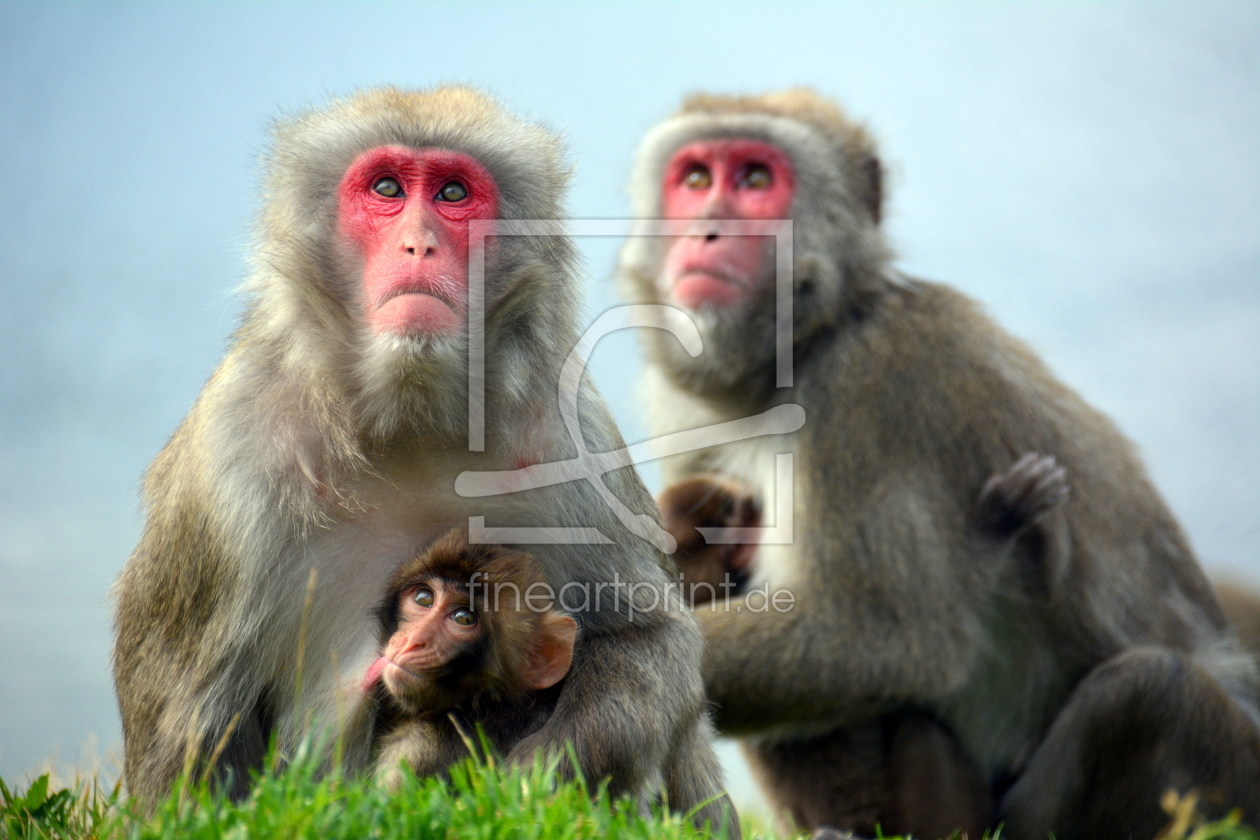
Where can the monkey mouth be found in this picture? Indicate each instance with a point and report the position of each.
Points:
(739, 580)
(707, 288)
(433, 290)
(413, 668)
(693, 272)
(373, 674)
(425, 309)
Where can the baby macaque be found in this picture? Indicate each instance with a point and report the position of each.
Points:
(470, 636)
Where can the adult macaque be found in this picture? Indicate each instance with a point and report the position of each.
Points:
(471, 636)
(1087, 672)
(324, 450)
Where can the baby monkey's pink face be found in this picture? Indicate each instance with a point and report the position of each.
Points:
(435, 623)
(714, 180)
(440, 651)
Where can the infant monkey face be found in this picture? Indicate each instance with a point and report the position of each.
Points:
(436, 623)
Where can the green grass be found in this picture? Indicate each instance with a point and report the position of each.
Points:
(480, 801)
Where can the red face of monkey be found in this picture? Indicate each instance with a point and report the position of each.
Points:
(435, 623)
(711, 180)
(407, 211)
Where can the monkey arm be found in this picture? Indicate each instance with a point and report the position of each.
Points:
(427, 747)
(766, 668)
(161, 674)
(630, 693)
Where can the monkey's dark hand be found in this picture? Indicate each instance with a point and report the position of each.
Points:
(706, 569)
(1012, 501)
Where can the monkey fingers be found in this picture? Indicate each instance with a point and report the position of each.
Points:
(1012, 501)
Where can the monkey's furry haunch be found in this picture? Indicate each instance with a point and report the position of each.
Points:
(1084, 671)
(323, 451)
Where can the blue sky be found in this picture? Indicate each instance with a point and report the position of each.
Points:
(1089, 171)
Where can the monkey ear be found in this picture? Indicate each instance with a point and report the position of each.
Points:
(552, 654)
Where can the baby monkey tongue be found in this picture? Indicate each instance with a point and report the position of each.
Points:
(373, 674)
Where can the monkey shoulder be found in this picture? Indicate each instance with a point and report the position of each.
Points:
(925, 371)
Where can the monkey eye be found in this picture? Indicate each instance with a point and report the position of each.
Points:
(464, 617)
(423, 596)
(756, 177)
(698, 177)
(388, 187)
(452, 191)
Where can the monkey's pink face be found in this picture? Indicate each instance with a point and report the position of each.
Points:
(434, 624)
(407, 211)
(745, 180)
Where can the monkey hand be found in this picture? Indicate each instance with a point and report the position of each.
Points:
(715, 504)
(1013, 501)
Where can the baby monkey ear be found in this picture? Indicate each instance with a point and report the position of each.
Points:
(552, 652)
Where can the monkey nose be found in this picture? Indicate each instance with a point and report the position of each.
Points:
(703, 229)
(418, 238)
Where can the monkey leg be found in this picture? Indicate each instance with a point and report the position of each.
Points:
(835, 780)
(627, 692)
(693, 783)
(1143, 723)
(936, 790)
(904, 773)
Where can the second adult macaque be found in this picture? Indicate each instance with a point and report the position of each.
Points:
(472, 638)
(1087, 671)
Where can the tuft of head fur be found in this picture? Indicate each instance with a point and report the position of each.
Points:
(840, 254)
(850, 143)
(498, 580)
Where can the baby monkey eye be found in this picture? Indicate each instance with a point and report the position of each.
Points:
(464, 617)
(756, 177)
(423, 596)
(698, 177)
(388, 187)
(453, 191)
